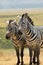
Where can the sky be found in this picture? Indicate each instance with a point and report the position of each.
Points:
(15, 4)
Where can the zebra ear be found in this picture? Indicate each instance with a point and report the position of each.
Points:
(7, 22)
(19, 16)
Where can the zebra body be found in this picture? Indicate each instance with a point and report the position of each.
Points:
(33, 36)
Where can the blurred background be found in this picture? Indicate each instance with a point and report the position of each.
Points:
(10, 9)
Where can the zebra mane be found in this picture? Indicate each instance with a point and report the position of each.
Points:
(29, 19)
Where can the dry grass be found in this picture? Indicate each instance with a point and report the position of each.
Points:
(36, 15)
(8, 57)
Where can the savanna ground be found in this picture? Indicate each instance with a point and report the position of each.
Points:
(8, 57)
(7, 51)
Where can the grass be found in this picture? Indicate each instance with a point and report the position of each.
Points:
(36, 16)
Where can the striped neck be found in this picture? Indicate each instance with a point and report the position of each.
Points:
(30, 35)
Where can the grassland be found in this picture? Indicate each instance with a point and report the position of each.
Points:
(7, 52)
(36, 16)
(8, 57)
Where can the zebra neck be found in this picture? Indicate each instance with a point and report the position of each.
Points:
(30, 35)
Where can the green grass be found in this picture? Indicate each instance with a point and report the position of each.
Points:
(3, 42)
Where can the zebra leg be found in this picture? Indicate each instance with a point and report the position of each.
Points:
(17, 53)
(30, 52)
(38, 53)
(22, 49)
(37, 59)
(34, 58)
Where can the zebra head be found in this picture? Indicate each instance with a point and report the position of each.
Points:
(12, 28)
(24, 21)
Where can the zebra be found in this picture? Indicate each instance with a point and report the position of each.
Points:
(33, 36)
(14, 33)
